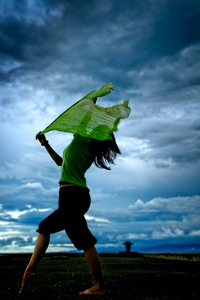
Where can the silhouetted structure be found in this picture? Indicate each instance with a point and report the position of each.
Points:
(128, 252)
(128, 246)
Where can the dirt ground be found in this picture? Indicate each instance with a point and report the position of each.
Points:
(136, 278)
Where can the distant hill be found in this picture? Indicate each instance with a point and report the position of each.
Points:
(175, 248)
(172, 248)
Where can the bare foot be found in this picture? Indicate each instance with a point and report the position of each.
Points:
(28, 276)
(95, 290)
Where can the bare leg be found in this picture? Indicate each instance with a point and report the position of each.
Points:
(92, 258)
(40, 248)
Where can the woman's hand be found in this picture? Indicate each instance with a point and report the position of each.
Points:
(40, 137)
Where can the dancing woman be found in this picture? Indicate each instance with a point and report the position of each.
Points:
(74, 202)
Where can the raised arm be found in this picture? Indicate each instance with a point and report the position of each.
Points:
(42, 139)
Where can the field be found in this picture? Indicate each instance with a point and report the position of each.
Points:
(140, 278)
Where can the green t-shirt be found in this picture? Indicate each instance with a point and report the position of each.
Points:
(76, 160)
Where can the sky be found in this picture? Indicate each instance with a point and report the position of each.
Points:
(54, 52)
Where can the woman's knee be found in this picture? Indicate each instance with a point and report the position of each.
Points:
(43, 229)
(82, 239)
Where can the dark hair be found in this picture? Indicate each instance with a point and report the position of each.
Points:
(104, 152)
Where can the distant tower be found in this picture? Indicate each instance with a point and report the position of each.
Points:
(128, 246)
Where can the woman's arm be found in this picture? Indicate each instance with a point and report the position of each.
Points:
(42, 139)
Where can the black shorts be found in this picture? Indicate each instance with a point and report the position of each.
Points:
(74, 202)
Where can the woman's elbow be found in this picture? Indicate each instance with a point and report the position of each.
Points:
(59, 163)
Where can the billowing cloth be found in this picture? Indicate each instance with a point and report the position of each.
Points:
(90, 120)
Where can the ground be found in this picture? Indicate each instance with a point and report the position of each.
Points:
(138, 278)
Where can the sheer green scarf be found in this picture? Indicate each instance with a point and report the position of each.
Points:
(90, 120)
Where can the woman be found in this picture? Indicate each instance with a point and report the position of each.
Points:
(74, 201)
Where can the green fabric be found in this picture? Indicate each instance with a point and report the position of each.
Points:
(76, 161)
(90, 120)
(103, 91)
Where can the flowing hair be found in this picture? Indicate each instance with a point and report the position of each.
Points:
(105, 152)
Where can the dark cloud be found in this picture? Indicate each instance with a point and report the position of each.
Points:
(115, 39)
(177, 27)
(121, 37)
